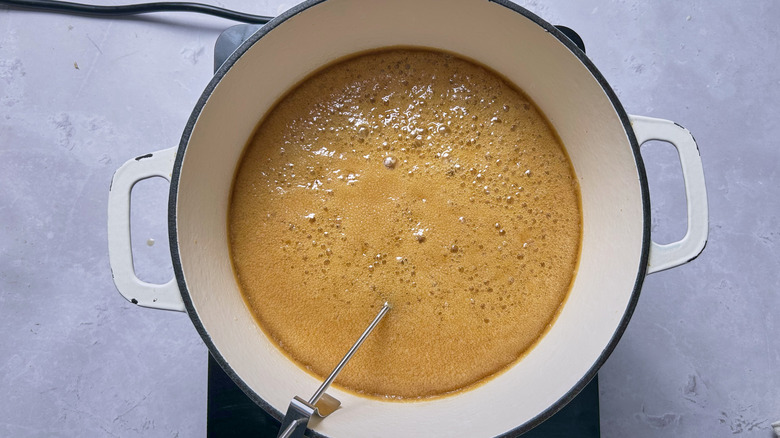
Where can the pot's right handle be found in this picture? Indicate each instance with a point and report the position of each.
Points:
(689, 247)
(120, 251)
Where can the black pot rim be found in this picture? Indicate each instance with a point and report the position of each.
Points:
(624, 119)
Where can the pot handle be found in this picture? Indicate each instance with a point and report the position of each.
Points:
(120, 251)
(691, 245)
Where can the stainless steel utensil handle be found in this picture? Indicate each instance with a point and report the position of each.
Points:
(315, 398)
(300, 422)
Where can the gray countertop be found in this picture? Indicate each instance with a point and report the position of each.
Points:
(79, 96)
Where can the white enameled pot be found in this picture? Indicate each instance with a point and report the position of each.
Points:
(602, 141)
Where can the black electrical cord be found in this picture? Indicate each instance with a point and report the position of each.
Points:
(141, 8)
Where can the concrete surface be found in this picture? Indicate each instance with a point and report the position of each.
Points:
(79, 96)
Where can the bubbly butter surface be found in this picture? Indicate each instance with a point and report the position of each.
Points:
(413, 177)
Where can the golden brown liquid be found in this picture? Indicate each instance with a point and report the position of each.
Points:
(413, 177)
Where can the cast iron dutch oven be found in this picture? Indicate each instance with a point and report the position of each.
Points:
(601, 140)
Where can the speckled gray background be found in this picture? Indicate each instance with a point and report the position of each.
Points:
(79, 96)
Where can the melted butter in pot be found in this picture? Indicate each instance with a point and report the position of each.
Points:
(418, 178)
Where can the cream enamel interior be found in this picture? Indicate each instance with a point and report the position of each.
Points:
(543, 68)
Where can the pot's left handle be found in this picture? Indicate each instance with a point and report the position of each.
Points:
(120, 251)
